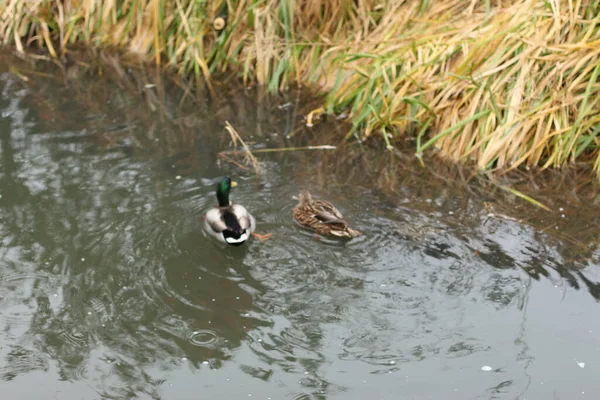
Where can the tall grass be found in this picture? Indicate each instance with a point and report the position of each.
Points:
(500, 83)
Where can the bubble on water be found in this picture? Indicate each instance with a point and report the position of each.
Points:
(82, 258)
(486, 368)
(203, 337)
(183, 358)
(178, 177)
(562, 215)
(392, 362)
(204, 362)
(561, 209)
(214, 299)
(451, 212)
(89, 313)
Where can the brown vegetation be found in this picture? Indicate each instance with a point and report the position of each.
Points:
(500, 83)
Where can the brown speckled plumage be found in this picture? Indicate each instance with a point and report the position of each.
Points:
(322, 217)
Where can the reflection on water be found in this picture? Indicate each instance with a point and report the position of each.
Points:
(110, 289)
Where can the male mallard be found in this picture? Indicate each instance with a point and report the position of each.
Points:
(321, 216)
(230, 223)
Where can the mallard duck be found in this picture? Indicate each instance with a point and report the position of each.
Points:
(321, 216)
(230, 223)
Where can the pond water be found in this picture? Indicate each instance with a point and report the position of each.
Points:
(109, 289)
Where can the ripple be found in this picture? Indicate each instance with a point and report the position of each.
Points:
(203, 338)
(106, 368)
(192, 199)
(283, 216)
(16, 318)
(74, 338)
(20, 360)
(81, 372)
(8, 277)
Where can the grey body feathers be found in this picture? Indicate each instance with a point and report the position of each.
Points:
(216, 226)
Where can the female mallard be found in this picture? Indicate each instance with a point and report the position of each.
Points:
(230, 223)
(321, 216)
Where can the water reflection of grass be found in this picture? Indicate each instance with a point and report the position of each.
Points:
(500, 84)
(183, 113)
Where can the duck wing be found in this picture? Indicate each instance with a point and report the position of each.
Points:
(242, 216)
(327, 207)
(329, 218)
(336, 212)
(215, 220)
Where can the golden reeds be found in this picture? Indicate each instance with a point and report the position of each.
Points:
(501, 83)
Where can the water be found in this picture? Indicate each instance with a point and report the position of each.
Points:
(110, 289)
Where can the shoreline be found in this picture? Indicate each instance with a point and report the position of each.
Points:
(496, 87)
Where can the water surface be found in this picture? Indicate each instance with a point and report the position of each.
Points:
(109, 289)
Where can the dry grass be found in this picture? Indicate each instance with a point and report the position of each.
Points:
(500, 83)
(249, 158)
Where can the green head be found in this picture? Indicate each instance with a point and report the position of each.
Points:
(223, 188)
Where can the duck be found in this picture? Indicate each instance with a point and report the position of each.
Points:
(228, 222)
(322, 217)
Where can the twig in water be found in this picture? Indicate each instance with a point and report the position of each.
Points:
(277, 150)
(221, 155)
(235, 137)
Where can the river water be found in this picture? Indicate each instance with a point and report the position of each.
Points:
(109, 289)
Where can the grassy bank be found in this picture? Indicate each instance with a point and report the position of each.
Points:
(500, 83)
